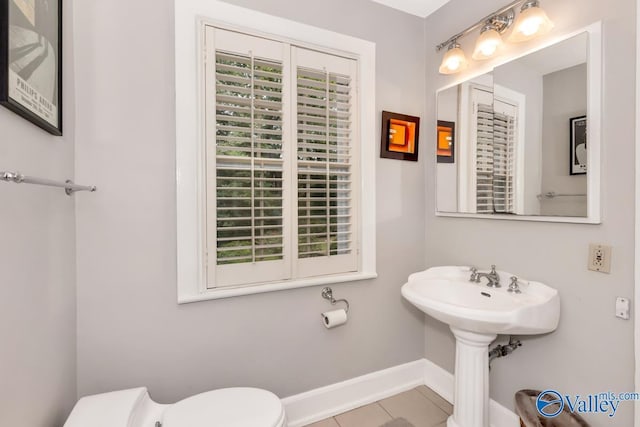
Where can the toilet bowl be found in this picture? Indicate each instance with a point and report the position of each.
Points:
(230, 407)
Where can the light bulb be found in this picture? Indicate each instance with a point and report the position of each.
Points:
(488, 49)
(532, 22)
(530, 26)
(454, 60)
(487, 44)
(453, 64)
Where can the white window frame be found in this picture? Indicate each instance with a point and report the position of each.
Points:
(190, 17)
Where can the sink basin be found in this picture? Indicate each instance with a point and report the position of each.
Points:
(476, 315)
(446, 294)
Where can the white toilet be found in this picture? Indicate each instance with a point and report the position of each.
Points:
(229, 407)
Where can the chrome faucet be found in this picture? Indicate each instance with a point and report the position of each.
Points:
(492, 277)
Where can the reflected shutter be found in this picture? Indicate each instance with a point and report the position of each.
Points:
(495, 161)
(503, 162)
(484, 159)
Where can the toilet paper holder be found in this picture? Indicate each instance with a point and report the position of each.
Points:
(327, 293)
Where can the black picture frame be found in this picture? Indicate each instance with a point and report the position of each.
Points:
(387, 149)
(578, 145)
(31, 65)
(450, 127)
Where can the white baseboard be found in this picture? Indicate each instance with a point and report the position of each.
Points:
(334, 399)
(441, 381)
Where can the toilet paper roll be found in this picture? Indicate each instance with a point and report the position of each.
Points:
(331, 319)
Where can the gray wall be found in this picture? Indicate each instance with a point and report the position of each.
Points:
(131, 331)
(37, 269)
(591, 350)
(565, 96)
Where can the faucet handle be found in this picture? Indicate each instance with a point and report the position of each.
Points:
(474, 274)
(513, 286)
(493, 269)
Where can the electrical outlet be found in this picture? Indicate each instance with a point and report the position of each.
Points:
(599, 258)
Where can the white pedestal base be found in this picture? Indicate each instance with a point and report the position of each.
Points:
(471, 392)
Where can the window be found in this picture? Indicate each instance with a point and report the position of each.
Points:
(272, 196)
(280, 161)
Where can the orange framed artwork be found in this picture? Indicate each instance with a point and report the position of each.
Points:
(446, 142)
(399, 136)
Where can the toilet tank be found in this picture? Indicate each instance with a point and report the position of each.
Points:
(125, 408)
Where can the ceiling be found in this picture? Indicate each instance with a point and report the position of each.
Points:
(421, 8)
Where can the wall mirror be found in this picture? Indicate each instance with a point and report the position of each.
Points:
(523, 140)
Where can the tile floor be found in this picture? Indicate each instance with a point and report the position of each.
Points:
(421, 406)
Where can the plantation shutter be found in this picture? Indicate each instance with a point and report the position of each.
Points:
(495, 160)
(504, 162)
(484, 159)
(282, 172)
(247, 222)
(325, 114)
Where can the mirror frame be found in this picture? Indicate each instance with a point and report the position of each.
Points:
(594, 132)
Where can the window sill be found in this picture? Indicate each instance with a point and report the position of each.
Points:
(220, 293)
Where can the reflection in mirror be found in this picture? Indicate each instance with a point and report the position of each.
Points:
(519, 140)
(462, 108)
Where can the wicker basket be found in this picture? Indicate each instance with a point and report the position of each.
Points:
(529, 416)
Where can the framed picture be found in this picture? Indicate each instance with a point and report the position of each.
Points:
(31, 61)
(446, 142)
(399, 136)
(578, 146)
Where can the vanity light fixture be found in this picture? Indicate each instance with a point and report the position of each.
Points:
(454, 60)
(531, 22)
(488, 43)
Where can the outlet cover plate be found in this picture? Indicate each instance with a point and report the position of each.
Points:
(622, 308)
(599, 258)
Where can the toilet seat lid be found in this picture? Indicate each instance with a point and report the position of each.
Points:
(230, 407)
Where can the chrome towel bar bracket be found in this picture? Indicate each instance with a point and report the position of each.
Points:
(327, 293)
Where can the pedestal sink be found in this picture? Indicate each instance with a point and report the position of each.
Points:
(476, 315)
